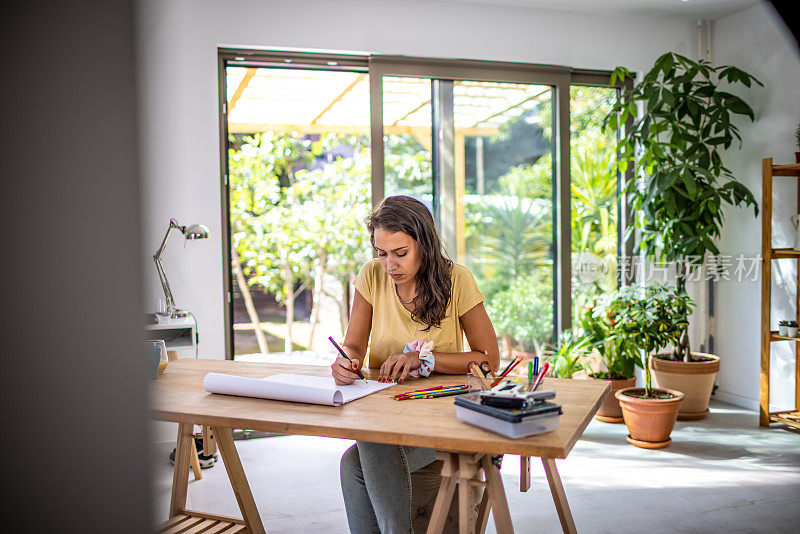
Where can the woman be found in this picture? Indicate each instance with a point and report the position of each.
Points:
(411, 298)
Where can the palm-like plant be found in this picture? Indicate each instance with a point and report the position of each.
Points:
(518, 235)
(565, 356)
(594, 197)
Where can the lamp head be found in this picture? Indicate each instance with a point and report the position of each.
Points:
(196, 231)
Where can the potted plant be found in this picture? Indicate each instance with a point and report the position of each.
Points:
(783, 328)
(617, 354)
(679, 185)
(650, 318)
(791, 329)
(565, 357)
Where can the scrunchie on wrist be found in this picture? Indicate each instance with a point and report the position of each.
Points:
(427, 361)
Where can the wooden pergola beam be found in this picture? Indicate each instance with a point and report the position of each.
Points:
(425, 103)
(341, 95)
(347, 129)
(509, 108)
(243, 83)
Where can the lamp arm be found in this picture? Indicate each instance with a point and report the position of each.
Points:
(162, 276)
(172, 224)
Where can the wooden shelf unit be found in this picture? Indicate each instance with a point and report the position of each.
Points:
(790, 417)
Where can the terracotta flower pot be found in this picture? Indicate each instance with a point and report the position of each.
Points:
(609, 411)
(649, 421)
(694, 379)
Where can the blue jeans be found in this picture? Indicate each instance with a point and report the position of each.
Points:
(376, 485)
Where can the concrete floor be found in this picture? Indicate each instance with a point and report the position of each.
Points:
(722, 474)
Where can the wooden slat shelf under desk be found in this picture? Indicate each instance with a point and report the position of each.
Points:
(791, 418)
(191, 522)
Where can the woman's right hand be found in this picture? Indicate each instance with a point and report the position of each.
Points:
(344, 371)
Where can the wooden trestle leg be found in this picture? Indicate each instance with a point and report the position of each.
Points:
(469, 472)
(186, 521)
(559, 496)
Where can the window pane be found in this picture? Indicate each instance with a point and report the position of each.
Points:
(503, 168)
(299, 192)
(407, 138)
(593, 196)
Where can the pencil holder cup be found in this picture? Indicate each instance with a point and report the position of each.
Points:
(478, 383)
(473, 382)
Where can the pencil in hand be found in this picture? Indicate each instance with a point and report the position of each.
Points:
(335, 344)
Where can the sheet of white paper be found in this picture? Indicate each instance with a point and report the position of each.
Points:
(293, 388)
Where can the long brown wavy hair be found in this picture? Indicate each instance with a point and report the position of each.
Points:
(405, 214)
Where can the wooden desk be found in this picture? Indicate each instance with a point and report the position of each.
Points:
(179, 397)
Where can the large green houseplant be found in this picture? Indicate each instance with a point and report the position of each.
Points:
(679, 183)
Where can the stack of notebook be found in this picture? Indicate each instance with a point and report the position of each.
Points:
(531, 418)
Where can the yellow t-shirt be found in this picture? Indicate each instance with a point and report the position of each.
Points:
(392, 325)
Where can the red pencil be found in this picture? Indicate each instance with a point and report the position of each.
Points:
(508, 370)
(539, 378)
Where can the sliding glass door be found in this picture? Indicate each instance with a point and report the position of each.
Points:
(480, 154)
(503, 166)
(594, 197)
(508, 157)
(299, 190)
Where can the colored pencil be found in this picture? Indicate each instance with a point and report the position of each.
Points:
(530, 374)
(508, 370)
(435, 394)
(539, 378)
(335, 344)
(413, 393)
(421, 390)
(486, 357)
(432, 392)
(510, 366)
(432, 389)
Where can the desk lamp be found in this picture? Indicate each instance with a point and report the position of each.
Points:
(195, 231)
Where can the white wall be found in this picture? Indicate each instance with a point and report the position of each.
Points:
(750, 40)
(178, 40)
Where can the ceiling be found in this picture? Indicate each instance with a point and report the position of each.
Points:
(675, 9)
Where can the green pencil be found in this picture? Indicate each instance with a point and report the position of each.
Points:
(530, 374)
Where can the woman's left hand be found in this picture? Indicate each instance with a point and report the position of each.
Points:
(396, 367)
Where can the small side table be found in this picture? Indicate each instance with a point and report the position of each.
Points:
(178, 334)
